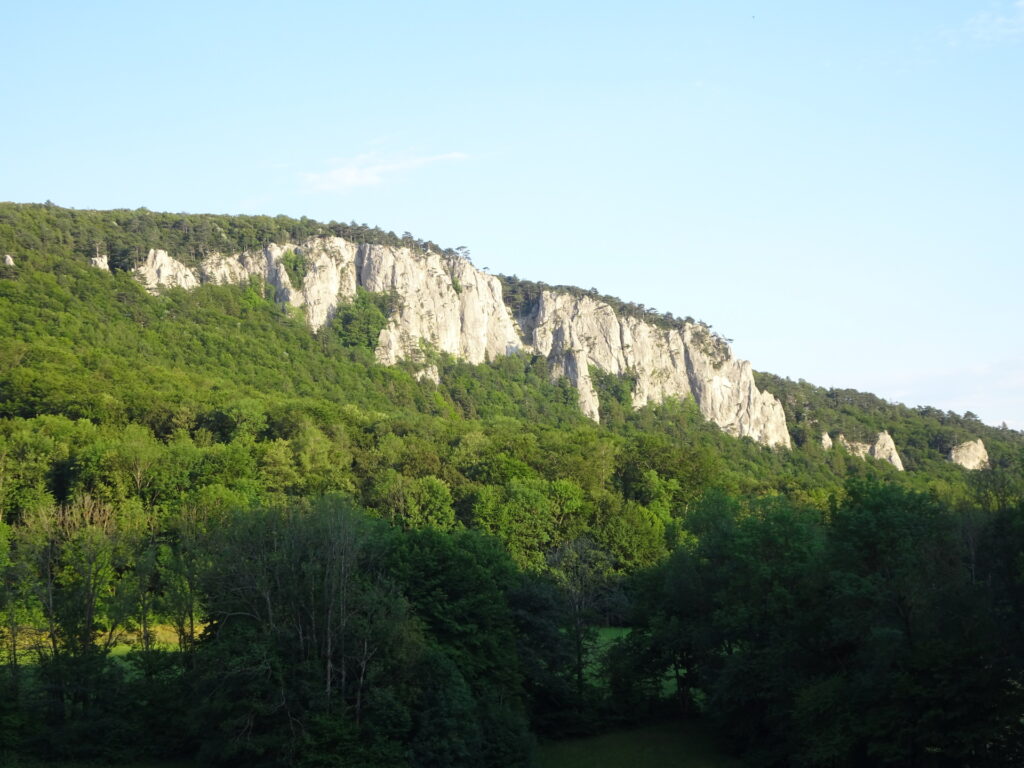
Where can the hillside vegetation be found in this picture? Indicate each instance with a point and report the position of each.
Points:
(358, 563)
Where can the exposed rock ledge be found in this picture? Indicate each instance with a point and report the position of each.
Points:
(575, 333)
(159, 269)
(883, 449)
(970, 455)
(450, 305)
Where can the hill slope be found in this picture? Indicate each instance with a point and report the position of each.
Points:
(407, 569)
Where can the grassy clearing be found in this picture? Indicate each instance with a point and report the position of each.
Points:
(662, 745)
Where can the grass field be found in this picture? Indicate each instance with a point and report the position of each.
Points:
(662, 745)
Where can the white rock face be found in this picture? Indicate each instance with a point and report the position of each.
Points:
(160, 270)
(100, 262)
(8, 260)
(429, 373)
(860, 450)
(234, 269)
(330, 277)
(883, 449)
(970, 455)
(445, 302)
(449, 305)
(328, 263)
(575, 332)
(826, 441)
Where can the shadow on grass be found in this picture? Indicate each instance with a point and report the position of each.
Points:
(660, 745)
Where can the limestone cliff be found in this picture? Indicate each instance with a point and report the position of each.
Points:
(970, 455)
(159, 270)
(327, 267)
(446, 304)
(576, 332)
(883, 449)
(858, 449)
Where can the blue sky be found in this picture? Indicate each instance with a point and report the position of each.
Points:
(837, 187)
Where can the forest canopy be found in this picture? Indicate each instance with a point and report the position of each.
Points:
(219, 526)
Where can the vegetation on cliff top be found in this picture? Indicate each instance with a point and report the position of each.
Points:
(523, 297)
(125, 236)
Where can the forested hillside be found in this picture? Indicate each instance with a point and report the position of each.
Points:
(925, 435)
(214, 518)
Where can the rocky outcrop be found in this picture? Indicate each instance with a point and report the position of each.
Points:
(576, 332)
(235, 269)
(159, 270)
(447, 305)
(100, 262)
(970, 455)
(445, 302)
(330, 277)
(883, 449)
(858, 449)
(8, 260)
(429, 373)
(826, 441)
(327, 267)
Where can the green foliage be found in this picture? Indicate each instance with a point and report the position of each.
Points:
(925, 435)
(867, 635)
(295, 265)
(614, 395)
(359, 323)
(28, 230)
(323, 623)
(200, 460)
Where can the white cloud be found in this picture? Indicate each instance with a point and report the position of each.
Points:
(1005, 24)
(370, 169)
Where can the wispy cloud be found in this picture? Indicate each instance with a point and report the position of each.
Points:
(370, 169)
(994, 26)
